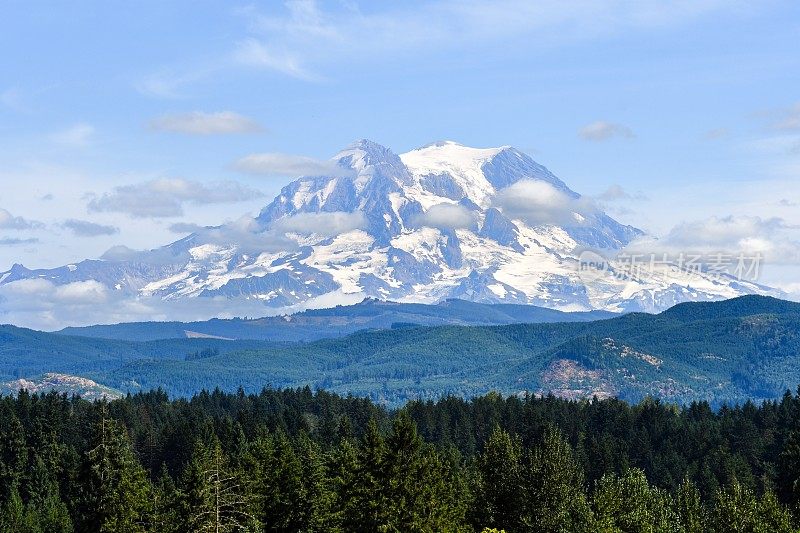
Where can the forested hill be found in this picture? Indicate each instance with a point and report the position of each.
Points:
(339, 321)
(294, 460)
(730, 351)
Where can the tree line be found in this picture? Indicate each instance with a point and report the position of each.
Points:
(302, 461)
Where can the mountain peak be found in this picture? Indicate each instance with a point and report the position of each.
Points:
(458, 152)
(365, 148)
(365, 155)
(425, 225)
(439, 144)
(366, 145)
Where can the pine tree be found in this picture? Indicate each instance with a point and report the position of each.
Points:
(115, 490)
(165, 505)
(317, 498)
(13, 456)
(418, 488)
(13, 518)
(554, 488)
(498, 497)
(44, 501)
(790, 468)
(275, 482)
(363, 498)
(53, 515)
(772, 516)
(345, 482)
(399, 484)
(215, 496)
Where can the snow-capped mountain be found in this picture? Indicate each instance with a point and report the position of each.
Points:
(441, 221)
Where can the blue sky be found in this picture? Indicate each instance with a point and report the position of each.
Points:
(681, 115)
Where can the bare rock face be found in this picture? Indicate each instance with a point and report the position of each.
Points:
(61, 383)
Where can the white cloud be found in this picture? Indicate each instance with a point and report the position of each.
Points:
(788, 119)
(77, 136)
(447, 216)
(299, 38)
(85, 228)
(13, 241)
(39, 304)
(537, 202)
(165, 197)
(185, 227)
(247, 235)
(602, 130)
(617, 192)
(200, 123)
(158, 256)
(170, 83)
(88, 292)
(301, 35)
(41, 300)
(725, 232)
(286, 165)
(793, 290)
(159, 86)
(253, 53)
(250, 236)
(324, 301)
(773, 238)
(323, 224)
(787, 144)
(9, 221)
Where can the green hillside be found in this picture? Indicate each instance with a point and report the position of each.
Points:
(725, 351)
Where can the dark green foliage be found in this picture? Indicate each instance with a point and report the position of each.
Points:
(114, 493)
(297, 460)
(288, 484)
(399, 484)
(553, 488)
(13, 455)
(730, 351)
(215, 496)
(499, 481)
(205, 353)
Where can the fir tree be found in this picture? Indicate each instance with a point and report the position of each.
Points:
(215, 497)
(554, 488)
(363, 498)
(275, 474)
(498, 497)
(13, 456)
(115, 489)
(165, 505)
